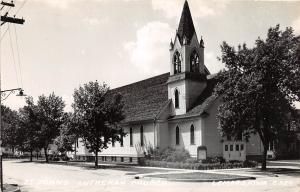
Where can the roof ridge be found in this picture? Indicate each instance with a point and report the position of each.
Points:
(141, 81)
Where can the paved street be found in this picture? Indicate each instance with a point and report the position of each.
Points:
(39, 177)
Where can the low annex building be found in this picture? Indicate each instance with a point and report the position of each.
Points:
(175, 109)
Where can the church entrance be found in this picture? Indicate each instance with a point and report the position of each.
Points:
(234, 150)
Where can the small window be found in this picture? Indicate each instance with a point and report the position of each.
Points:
(237, 147)
(122, 159)
(192, 132)
(176, 99)
(177, 135)
(226, 147)
(130, 137)
(130, 159)
(242, 147)
(231, 147)
(177, 63)
(142, 135)
(194, 62)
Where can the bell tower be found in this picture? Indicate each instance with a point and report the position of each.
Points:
(187, 70)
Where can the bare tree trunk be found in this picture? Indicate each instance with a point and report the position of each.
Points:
(46, 154)
(264, 158)
(96, 159)
(31, 155)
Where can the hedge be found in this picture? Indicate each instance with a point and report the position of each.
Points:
(199, 166)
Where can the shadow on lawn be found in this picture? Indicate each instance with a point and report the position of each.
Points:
(130, 169)
(277, 171)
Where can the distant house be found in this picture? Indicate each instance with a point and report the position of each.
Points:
(287, 146)
(175, 109)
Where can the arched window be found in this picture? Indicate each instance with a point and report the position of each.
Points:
(177, 135)
(177, 63)
(194, 62)
(142, 135)
(130, 137)
(192, 131)
(176, 99)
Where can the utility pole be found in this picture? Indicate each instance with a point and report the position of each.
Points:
(5, 19)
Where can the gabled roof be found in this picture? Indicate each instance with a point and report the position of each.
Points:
(203, 102)
(186, 26)
(145, 99)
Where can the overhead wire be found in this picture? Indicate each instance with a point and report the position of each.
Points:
(2, 36)
(13, 55)
(21, 6)
(18, 55)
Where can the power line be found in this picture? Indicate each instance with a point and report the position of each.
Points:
(22, 5)
(13, 55)
(4, 34)
(18, 54)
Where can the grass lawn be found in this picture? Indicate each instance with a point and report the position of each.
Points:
(197, 176)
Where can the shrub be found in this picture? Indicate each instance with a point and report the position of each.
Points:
(65, 158)
(217, 159)
(191, 160)
(200, 166)
(249, 163)
(171, 155)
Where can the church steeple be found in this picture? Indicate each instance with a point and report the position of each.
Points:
(186, 27)
(187, 71)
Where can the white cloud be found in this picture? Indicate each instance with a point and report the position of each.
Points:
(150, 52)
(296, 25)
(199, 8)
(95, 21)
(63, 4)
(212, 63)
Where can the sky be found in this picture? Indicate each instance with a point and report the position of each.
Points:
(66, 43)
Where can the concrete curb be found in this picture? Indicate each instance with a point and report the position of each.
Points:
(196, 180)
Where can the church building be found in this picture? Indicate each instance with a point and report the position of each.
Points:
(175, 109)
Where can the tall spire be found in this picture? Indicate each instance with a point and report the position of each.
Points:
(186, 26)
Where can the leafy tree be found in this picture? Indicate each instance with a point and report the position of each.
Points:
(259, 87)
(29, 127)
(98, 113)
(50, 117)
(67, 136)
(11, 136)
